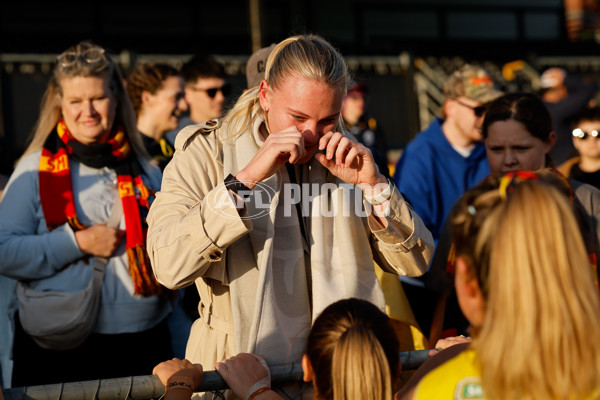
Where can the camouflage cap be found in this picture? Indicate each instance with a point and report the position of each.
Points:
(473, 83)
(255, 67)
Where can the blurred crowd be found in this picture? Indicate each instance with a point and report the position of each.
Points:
(149, 228)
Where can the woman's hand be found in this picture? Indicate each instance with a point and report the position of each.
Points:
(350, 161)
(241, 372)
(278, 148)
(172, 369)
(99, 240)
(449, 342)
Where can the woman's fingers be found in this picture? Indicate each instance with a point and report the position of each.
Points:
(351, 156)
(332, 150)
(278, 148)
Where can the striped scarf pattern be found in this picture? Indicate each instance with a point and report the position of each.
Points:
(57, 198)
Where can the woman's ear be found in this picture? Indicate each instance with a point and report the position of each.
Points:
(469, 294)
(146, 96)
(306, 369)
(263, 95)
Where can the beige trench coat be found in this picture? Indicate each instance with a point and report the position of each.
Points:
(223, 254)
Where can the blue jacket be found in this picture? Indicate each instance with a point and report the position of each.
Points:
(432, 175)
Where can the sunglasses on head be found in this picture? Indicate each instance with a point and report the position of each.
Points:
(479, 110)
(578, 133)
(212, 92)
(91, 55)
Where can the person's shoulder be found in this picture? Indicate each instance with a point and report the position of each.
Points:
(204, 132)
(565, 167)
(428, 138)
(587, 196)
(151, 171)
(448, 377)
(420, 146)
(424, 149)
(416, 159)
(29, 162)
(583, 188)
(24, 178)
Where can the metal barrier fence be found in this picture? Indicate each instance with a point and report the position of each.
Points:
(149, 386)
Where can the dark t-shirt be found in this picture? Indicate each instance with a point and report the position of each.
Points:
(592, 178)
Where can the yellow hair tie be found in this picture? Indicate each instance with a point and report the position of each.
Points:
(511, 179)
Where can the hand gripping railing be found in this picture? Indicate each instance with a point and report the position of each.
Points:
(149, 386)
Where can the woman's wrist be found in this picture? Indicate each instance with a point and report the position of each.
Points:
(258, 388)
(378, 193)
(178, 385)
(244, 178)
(180, 381)
(258, 392)
(374, 186)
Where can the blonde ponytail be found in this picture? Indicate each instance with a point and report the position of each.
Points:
(360, 368)
(353, 351)
(537, 339)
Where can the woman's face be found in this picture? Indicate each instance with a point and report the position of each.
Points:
(311, 106)
(165, 106)
(88, 108)
(510, 147)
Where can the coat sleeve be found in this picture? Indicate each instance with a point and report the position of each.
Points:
(27, 249)
(405, 246)
(193, 220)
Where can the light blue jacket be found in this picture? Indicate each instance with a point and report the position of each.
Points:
(29, 252)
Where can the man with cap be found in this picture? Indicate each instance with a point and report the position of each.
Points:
(448, 157)
(444, 161)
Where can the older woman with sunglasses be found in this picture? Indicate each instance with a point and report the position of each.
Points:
(86, 159)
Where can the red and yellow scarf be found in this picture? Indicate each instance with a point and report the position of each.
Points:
(58, 205)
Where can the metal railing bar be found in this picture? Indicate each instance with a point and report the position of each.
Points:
(149, 386)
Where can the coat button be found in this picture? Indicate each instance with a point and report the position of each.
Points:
(215, 255)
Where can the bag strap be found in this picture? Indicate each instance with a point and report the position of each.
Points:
(113, 221)
(117, 211)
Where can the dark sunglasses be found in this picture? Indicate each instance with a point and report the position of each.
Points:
(479, 110)
(578, 133)
(212, 92)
